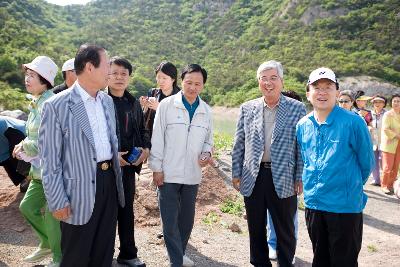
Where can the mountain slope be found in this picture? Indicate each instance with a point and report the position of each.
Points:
(230, 38)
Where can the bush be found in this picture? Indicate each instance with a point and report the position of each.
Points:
(11, 99)
(222, 142)
(233, 206)
(211, 218)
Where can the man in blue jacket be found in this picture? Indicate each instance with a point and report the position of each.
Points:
(337, 152)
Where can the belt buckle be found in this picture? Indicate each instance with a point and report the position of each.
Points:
(267, 165)
(104, 166)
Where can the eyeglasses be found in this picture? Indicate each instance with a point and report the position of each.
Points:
(272, 79)
(344, 101)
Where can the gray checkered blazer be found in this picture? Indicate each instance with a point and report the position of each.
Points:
(248, 149)
(68, 154)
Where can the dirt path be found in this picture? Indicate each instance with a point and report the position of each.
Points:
(211, 244)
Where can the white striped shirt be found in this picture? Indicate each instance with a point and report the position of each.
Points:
(98, 123)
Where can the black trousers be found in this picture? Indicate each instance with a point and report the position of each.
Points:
(336, 237)
(10, 166)
(14, 137)
(126, 218)
(92, 244)
(282, 212)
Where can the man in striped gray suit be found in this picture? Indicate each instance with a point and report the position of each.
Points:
(81, 172)
(267, 164)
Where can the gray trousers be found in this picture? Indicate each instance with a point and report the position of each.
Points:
(177, 209)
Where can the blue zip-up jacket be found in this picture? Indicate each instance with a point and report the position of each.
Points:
(338, 159)
(5, 123)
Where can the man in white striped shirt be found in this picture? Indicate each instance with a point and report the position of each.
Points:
(81, 172)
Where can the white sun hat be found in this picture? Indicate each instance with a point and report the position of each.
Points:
(68, 65)
(45, 67)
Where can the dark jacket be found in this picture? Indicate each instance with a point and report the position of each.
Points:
(141, 137)
(150, 114)
(59, 88)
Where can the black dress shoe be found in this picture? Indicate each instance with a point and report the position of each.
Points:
(23, 186)
(136, 262)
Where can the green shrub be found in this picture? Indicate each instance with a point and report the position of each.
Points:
(11, 99)
(233, 206)
(211, 218)
(222, 142)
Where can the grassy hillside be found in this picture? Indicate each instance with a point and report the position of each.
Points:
(230, 38)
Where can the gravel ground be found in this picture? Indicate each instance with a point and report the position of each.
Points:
(210, 244)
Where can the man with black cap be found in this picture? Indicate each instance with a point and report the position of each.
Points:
(337, 153)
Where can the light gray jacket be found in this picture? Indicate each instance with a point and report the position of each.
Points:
(68, 154)
(177, 143)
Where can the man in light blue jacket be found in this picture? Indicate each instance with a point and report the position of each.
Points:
(337, 152)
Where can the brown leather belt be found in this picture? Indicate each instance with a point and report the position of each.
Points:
(266, 165)
(104, 165)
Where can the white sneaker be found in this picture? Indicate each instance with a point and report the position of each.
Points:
(272, 254)
(187, 262)
(38, 255)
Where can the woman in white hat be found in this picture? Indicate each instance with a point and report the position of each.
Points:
(360, 106)
(39, 78)
(379, 104)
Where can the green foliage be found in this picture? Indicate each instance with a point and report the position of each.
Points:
(372, 248)
(140, 85)
(211, 218)
(222, 142)
(11, 99)
(229, 38)
(233, 206)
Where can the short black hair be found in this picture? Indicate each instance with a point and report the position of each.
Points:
(169, 69)
(194, 68)
(123, 62)
(64, 74)
(44, 81)
(393, 96)
(87, 53)
(292, 94)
